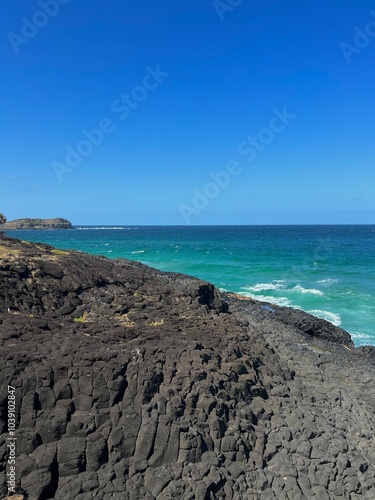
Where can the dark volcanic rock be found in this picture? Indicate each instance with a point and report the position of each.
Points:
(136, 384)
(37, 224)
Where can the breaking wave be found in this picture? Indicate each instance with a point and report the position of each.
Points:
(280, 301)
(312, 291)
(333, 318)
(259, 287)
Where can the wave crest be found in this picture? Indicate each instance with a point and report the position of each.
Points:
(280, 301)
(333, 318)
(312, 291)
(259, 287)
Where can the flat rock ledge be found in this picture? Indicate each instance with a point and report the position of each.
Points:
(30, 224)
(135, 384)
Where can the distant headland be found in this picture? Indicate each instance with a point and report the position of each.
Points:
(29, 224)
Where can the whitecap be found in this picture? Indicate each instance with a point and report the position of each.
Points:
(101, 227)
(313, 291)
(139, 251)
(361, 336)
(328, 282)
(333, 318)
(280, 301)
(259, 287)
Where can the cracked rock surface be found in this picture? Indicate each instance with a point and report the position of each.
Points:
(135, 384)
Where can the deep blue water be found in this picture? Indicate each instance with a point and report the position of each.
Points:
(328, 271)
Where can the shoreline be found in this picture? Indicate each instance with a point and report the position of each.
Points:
(132, 381)
(339, 299)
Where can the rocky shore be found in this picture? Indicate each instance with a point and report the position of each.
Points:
(135, 384)
(22, 224)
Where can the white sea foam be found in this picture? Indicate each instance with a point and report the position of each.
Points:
(312, 291)
(280, 301)
(259, 287)
(104, 227)
(327, 282)
(361, 336)
(139, 251)
(329, 316)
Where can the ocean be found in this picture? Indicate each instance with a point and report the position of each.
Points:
(328, 271)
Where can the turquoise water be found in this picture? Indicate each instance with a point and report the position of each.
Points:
(327, 271)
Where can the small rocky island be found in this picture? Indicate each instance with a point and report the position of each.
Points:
(134, 384)
(29, 224)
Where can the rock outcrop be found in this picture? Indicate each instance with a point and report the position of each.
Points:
(135, 384)
(37, 224)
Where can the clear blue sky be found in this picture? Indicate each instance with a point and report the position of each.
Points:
(228, 69)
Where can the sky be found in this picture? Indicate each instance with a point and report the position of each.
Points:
(188, 112)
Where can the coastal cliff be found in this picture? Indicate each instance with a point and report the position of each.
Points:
(135, 384)
(37, 224)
